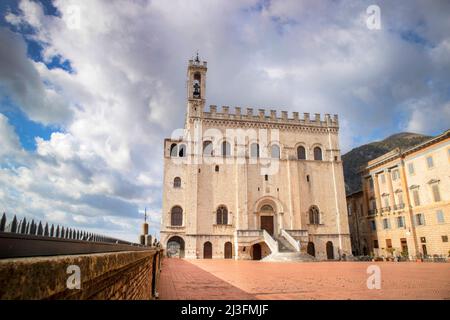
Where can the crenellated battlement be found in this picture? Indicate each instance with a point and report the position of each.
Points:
(197, 63)
(271, 116)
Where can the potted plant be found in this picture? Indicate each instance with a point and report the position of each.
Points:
(391, 252)
(404, 255)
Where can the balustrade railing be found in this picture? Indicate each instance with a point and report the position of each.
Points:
(27, 238)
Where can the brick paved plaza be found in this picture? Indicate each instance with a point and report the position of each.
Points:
(229, 279)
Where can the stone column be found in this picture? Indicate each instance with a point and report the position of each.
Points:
(410, 227)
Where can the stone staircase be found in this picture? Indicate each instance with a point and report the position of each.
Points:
(287, 253)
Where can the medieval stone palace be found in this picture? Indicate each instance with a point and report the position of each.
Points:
(252, 185)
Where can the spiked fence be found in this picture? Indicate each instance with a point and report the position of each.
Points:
(22, 238)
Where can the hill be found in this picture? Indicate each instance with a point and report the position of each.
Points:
(357, 157)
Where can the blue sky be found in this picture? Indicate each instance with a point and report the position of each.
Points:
(84, 109)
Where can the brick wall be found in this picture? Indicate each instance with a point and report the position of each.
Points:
(118, 275)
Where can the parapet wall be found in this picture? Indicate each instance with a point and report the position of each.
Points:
(272, 117)
(119, 275)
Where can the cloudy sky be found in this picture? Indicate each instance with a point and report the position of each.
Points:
(89, 89)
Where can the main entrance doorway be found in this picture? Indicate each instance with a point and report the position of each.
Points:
(267, 224)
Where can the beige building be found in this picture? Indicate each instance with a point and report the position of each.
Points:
(404, 207)
(252, 186)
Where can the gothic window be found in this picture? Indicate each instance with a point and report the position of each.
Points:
(207, 148)
(301, 153)
(173, 150)
(314, 215)
(275, 152)
(254, 150)
(226, 149)
(317, 153)
(177, 182)
(222, 215)
(176, 216)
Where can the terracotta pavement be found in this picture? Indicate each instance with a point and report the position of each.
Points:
(230, 279)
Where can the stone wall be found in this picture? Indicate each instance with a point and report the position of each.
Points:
(119, 275)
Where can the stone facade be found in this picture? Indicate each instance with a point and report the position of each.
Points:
(128, 275)
(230, 175)
(404, 206)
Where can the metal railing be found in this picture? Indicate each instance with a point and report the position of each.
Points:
(22, 238)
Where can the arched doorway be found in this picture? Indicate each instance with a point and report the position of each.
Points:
(310, 249)
(256, 251)
(267, 219)
(330, 251)
(207, 250)
(175, 247)
(228, 250)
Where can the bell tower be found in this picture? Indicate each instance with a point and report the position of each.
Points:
(196, 85)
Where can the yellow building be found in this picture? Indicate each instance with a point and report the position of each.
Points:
(404, 206)
(251, 186)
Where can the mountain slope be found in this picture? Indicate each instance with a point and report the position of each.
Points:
(357, 157)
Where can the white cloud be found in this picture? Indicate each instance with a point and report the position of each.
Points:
(20, 81)
(10, 144)
(127, 89)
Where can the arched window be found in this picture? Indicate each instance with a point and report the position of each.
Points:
(254, 150)
(182, 150)
(222, 215)
(226, 149)
(317, 153)
(301, 153)
(217, 169)
(314, 215)
(196, 85)
(275, 152)
(173, 150)
(266, 208)
(207, 148)
(177, 182)
(176, 216)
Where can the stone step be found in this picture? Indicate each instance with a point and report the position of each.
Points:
(289, 256)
